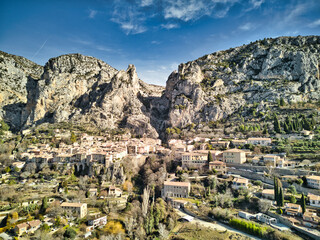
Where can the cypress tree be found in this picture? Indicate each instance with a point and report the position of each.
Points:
(285, 127)
(44, 205)
(281, 197)
(275, 190)
(303, 203)
(276, 124)
(265, 130)
(210, 158)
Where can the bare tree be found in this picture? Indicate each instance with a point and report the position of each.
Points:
(163, 232)
(264, 205)
(145, 201)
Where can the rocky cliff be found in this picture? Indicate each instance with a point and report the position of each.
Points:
(76, 88)
(217, 85)
(80, 89)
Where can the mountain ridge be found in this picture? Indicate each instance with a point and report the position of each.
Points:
(82, 89)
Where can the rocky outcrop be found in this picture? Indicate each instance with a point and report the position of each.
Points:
(17, 78)
(219, 84)
(81, 89)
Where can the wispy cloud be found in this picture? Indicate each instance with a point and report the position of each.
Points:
(92, 13)
(133, 17)
(145, 3)
(130, 19)
(246, 27)
(155, 42)
(169, 25)
(314, 24)
(93, 45)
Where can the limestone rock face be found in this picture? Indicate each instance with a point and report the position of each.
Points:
(17, 78)
(217, 85)
(81, 89)
(84, 89)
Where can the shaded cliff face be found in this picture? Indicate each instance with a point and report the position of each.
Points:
(81, 89)
(219, 84)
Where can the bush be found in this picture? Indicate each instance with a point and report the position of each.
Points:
(70, 233)
(248, 226)
(220, 214)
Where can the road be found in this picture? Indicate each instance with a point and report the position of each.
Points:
(217, 226)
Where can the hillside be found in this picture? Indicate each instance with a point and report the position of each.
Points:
(218, 85)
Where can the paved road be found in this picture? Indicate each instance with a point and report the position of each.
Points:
(217, 226)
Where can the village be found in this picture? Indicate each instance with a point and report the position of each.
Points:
(85, 184)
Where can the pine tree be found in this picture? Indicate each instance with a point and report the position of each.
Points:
(303, 203)
(210, 158)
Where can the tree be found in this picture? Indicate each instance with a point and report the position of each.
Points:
(145, 201)
(45, 227)
(276, 124)
(7, 169)
(276, 193)
(163, 232)
(70, 233)
(281, 198)
(265, 130)
(292, 190)
(73, 137)
(293, 199)
(44, 205)
(282, 102)
(210, 158)
(303, 203)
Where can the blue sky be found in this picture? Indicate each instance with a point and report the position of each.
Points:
(154, 35)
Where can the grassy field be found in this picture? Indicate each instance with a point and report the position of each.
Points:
(190, 231)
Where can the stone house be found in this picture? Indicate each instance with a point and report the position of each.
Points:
(259, 141)
(80, 209)
(234, 156)
(313, 181)
(219, 166)
(239, 183)
(176, 189)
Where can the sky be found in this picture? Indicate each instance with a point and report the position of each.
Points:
(154, 35)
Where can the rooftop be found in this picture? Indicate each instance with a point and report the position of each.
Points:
(240, 180)
(180, 184)
(67, 204)
(313, 177)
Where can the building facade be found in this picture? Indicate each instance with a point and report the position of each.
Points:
(176, 189)
(313, 181)
(234, 156)
(79, 209)
(194, 160)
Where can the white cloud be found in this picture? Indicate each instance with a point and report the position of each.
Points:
(185, 10)
(256, 3)
(314, 24)
(145, 3)
(169, 26)
(155, 42)
(133, 17)
(92, 13)
(246, 27)
(130, 19)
